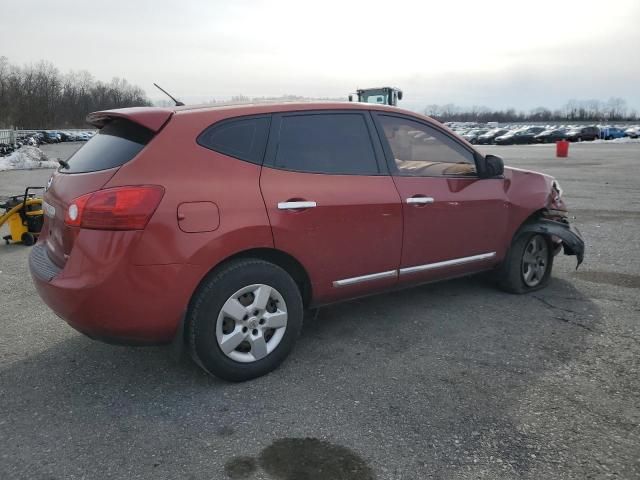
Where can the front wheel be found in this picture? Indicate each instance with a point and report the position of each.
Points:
(244, 320)
(528, 264)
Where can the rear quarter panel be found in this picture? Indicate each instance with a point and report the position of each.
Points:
(192, 173)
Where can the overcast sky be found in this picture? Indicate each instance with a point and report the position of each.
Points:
(495, 53)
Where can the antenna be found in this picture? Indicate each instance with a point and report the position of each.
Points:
(177, 102)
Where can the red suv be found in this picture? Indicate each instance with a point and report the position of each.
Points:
(218, 226)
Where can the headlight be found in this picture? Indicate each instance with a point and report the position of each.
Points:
(556, 186)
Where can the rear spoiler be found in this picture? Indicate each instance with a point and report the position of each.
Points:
(153, 118)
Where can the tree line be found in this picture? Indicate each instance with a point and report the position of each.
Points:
(39, 96)
(612, 110)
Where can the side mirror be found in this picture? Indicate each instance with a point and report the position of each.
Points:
(351, 98)
(399, 94)
(493, 166)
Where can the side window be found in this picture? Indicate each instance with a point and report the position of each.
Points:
(243, 138)
(422, 151)
(331, 143)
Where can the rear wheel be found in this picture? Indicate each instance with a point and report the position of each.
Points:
(528, 264)
(244, 320)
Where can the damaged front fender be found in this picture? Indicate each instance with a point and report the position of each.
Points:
(572, 241)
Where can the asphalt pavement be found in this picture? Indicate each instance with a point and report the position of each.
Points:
(455, 380)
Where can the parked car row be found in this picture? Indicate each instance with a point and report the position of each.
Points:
(35, 138)
(57, 136)
(527, 134)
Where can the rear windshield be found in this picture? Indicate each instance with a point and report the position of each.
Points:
(114, 145)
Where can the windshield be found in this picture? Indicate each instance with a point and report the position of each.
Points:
(374, 97)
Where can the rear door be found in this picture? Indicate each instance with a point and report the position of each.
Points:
(454, 222)
(331, 203)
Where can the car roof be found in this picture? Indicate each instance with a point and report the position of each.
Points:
(283, 106)
(155, 117)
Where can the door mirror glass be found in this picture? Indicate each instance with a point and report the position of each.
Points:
(493, 166)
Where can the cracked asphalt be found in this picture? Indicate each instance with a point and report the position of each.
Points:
(455, 380)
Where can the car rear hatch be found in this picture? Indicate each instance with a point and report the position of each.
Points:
(122, 135)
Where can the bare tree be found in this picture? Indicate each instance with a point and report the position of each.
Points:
(39, 96)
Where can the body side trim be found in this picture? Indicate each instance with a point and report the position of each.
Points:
(447, 263)
(365, 278)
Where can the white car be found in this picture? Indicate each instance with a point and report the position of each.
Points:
(632, 132)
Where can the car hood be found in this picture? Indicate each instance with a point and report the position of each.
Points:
(520, 175)
(533, 189)
(513, 171)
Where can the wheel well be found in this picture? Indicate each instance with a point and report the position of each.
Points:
(540, 213)
(285, 261)
(534, 216)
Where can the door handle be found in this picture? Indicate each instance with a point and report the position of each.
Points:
(420, 200)
(296, 205)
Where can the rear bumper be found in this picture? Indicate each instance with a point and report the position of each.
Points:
(102, 294)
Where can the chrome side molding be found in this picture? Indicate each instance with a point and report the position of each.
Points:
(365, 278)
(418, 268)
(447, 263)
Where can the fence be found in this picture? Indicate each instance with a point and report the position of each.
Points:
(7, 137)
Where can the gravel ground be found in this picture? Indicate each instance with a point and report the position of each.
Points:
(451, 381)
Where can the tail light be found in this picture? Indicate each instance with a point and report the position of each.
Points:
(119, 208)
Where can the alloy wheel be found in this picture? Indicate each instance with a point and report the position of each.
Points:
(535, 261)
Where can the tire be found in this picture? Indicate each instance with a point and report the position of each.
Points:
(28, 239)
(227, 310)
(516, 275)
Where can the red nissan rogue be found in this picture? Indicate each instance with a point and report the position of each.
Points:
(218, 226)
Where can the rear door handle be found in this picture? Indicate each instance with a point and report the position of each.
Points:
(420, 200)
(297, 205)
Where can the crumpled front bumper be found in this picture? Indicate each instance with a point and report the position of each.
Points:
(572, 241)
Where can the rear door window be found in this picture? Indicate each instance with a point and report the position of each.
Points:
(244, 138)
(114, 145)
(329, 143)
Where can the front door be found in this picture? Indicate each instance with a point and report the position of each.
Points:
(331, 203)
(454, 222)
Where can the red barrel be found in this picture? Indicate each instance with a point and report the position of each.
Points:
(562, 148)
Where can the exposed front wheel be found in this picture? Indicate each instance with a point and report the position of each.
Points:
(528, 264)
(244, 320)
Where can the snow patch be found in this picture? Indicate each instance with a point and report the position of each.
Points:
(27, 158)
